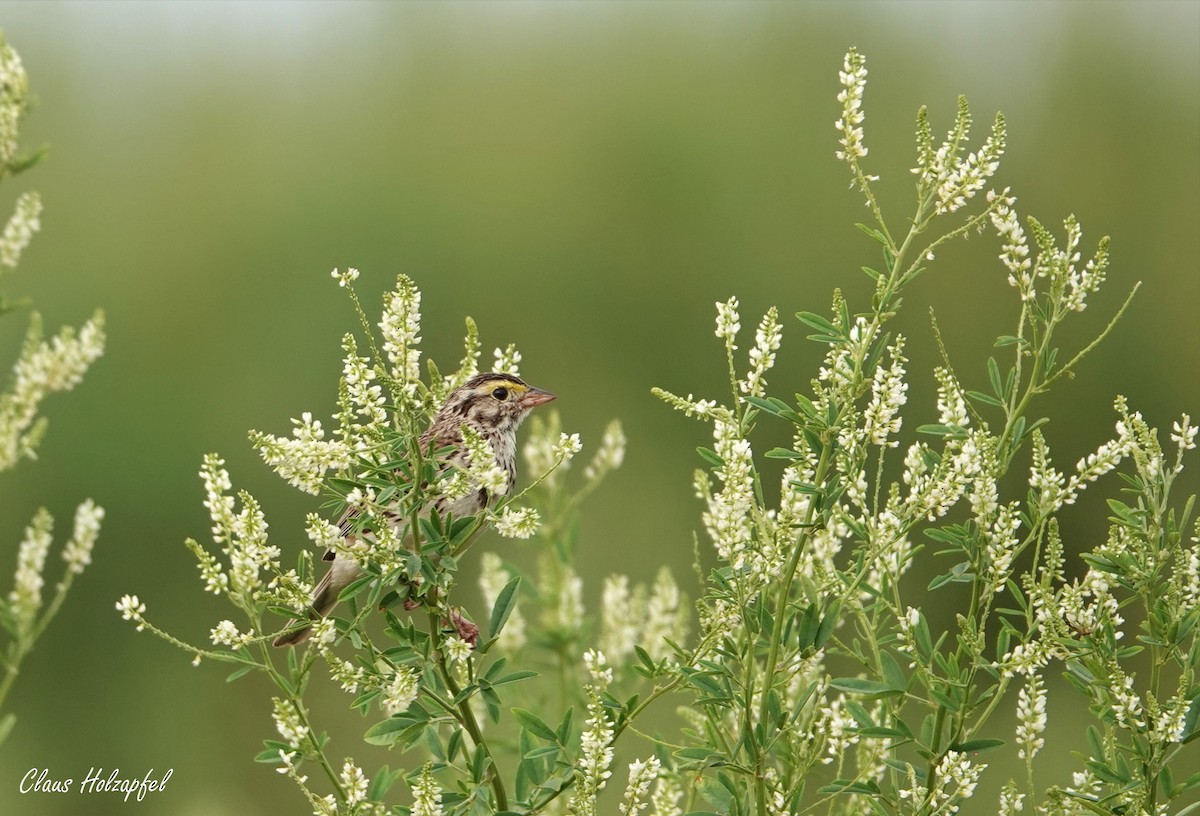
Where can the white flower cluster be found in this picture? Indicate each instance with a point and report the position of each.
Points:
(854, 81)
(957, 178)
(427, 794)
(666, 796)
(226, 634)
(344, 279)
(14, 94)
(642, 774)
(401, 690)
(767, 338)
(482, 468)
(635, 617)
(78, 551)
(289, 723)
(1031, 717)
(610, 454)
(354, 783)
(132, 609)
(596, 756)
(1014, 250)
(359, 396)
(243, 533)
(1069, 284)
(492, 580)
(728, 322)
(401, 332)
(20, 229)
(508, 360)
(521, 522)
(954, 781)
(25, 599)
(305, 457)
(951, 404)
(44, 367)
(889, 393)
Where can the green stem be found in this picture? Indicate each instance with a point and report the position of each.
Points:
(466, 716)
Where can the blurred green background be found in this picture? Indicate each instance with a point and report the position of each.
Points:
(583, 179)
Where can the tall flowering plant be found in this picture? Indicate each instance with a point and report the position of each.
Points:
(820, 683)
(456, 682)
(811, 678)
(43, 367)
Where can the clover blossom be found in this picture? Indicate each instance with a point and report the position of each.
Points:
(400, 328)
(482, 469)
(401, 691)
(78, 551)
(25, 599)
(666, 796)
(132, 609)
(522, 522)
(690, 405)
(1011, 802)
(508, 360)
(1031, 717)
(642, 774)
(345, 278)
(666, 617)
(43, 367)
(621, 614)
(14, 97)
(289, 723)
(226, 634)
(888, 395)
(305, 458)
(592, 770)
(354, 783)
(1014, 251)
(728, 322)
(20, 229)
(853, 77)
(358, 396)
(958, 183)
(427, 794)
(767, 338)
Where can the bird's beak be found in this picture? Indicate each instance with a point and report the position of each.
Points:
(535, 396)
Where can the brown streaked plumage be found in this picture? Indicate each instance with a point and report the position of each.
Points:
(493, 405)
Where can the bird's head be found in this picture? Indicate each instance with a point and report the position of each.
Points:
(491, 403)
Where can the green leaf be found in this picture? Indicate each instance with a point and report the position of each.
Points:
(710, 456)
(534, 724)
(234, 675)
(506, 601)
(514, 677)
(389, 731)
(976, 745)
(867, 788)
(979, 396)
(994, 376)
(6, 725)
(819, 323)
(857, 685)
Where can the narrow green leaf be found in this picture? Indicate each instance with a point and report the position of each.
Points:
(976, 745)
(506, 601)
(857, 685)
(534, 724)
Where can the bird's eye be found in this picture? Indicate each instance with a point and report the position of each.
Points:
(500, 393)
